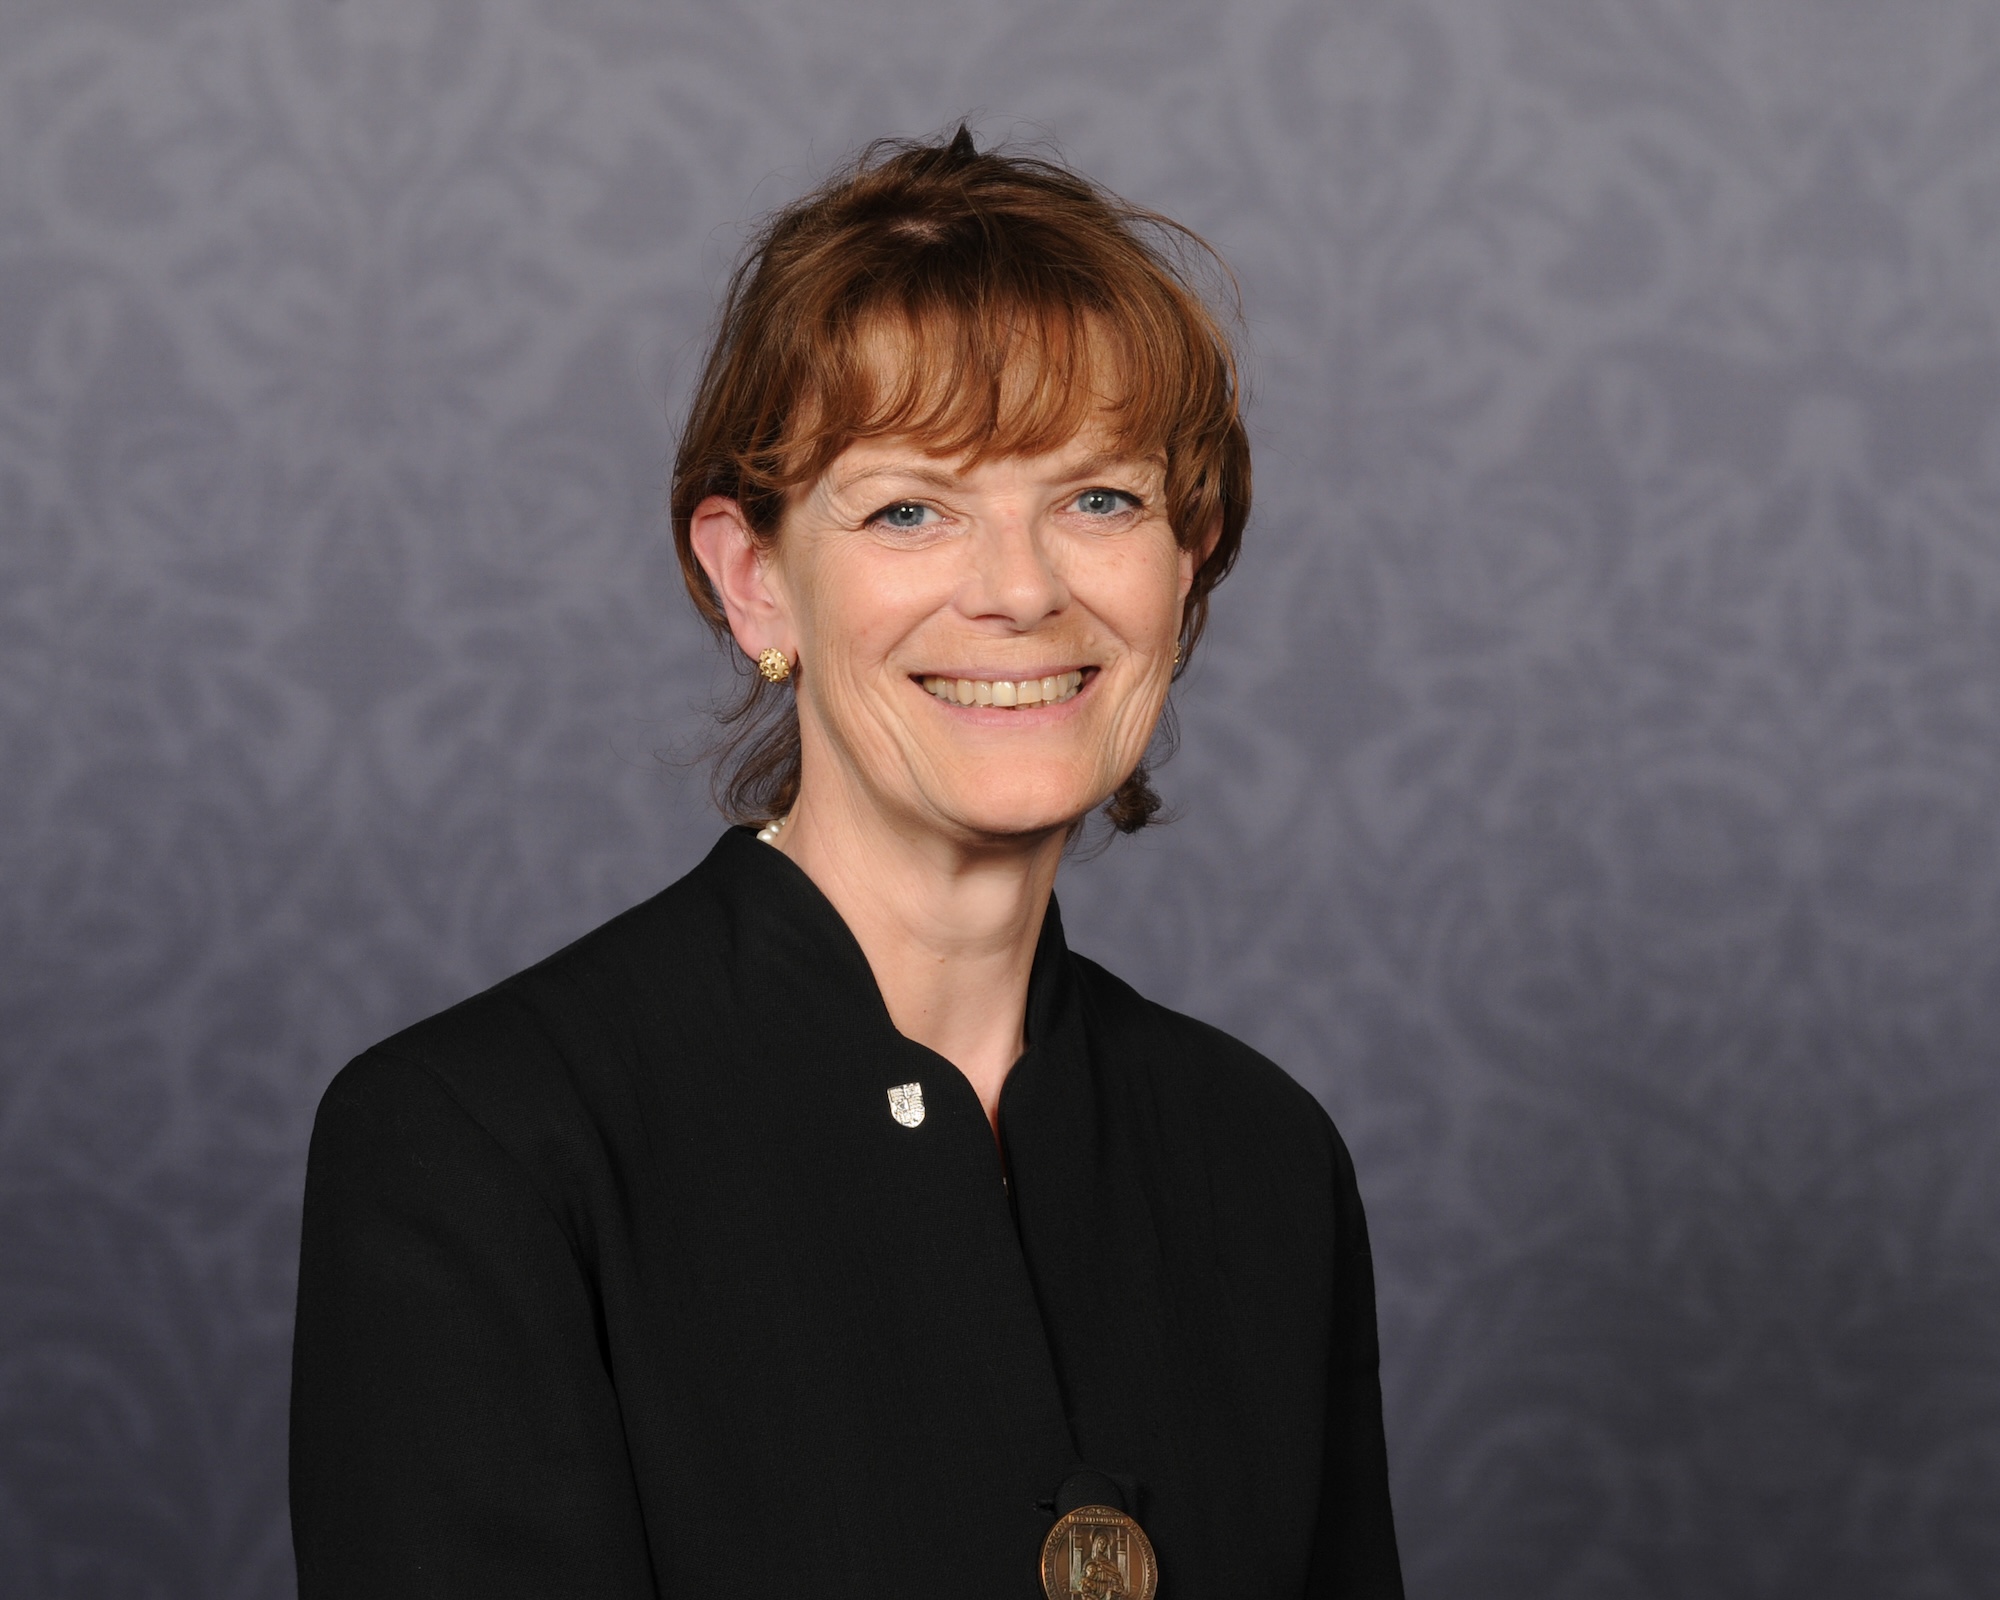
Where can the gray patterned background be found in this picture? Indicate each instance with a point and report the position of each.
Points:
(1589, 788)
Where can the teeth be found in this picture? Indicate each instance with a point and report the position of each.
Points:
(1004, 692)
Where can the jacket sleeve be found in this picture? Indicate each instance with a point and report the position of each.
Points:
(1354, 1549)
(454, 1428)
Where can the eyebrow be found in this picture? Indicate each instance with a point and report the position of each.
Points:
(928, 475)
(936, 478)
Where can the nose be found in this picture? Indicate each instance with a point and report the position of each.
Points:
(1014, 577)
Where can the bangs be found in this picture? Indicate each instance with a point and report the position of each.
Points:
(983, 381)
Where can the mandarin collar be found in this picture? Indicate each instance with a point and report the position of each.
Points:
(796, 939)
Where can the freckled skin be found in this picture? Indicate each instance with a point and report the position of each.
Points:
(897, 564)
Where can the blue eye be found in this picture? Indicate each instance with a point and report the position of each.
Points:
(1105, 502)
(904, 515)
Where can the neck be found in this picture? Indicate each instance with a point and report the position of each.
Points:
(949, 927)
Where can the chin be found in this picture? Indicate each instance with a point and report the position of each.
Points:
(1017, 808)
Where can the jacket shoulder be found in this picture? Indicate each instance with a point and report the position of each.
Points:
(1226, 1122)
(1198, 1071)
(545, 1063)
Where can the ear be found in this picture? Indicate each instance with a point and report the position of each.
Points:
(730, 555)
(1193, 555)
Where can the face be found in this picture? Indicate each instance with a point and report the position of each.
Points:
(984, 649)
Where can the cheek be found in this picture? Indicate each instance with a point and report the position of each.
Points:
(1138, 590)
(853, 612)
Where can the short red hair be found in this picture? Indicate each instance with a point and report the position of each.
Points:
(1010, 289)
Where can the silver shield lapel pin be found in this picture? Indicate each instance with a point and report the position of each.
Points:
(906, 1103)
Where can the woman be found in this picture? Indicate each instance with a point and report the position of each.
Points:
(823, 1226)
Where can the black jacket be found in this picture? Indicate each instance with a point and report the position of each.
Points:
(622, 1280)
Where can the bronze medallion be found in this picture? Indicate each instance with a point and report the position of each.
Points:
(1096, 1553)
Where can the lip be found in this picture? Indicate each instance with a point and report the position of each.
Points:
(1010, 675)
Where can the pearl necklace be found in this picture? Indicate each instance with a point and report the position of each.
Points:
(768, 834)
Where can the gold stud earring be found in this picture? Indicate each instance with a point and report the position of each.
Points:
(1177, 653)
(775, 665)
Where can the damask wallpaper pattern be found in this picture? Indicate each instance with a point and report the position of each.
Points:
(1588, 787)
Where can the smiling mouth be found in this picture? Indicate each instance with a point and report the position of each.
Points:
(1006, 693)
